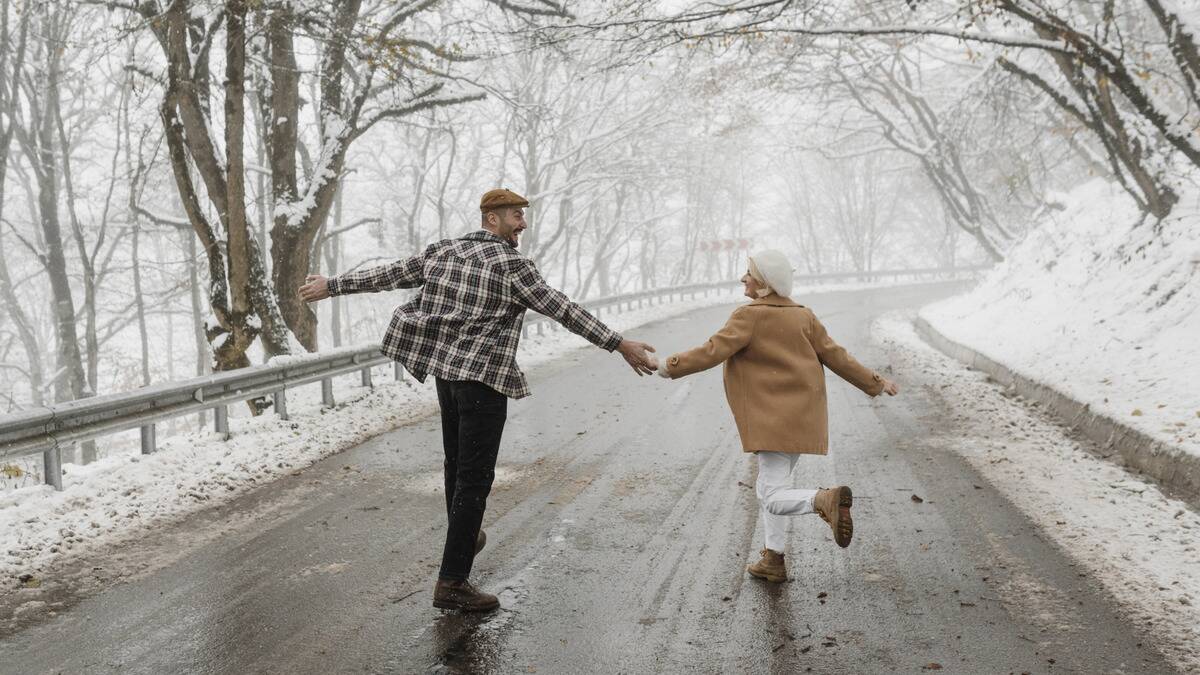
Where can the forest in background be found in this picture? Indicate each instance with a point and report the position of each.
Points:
(170, 171)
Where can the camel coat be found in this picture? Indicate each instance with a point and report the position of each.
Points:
(775, 353)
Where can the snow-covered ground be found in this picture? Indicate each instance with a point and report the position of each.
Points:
(117, 496)
(1139, 544)
(1105, 312)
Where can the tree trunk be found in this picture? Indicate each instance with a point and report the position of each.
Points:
(139, 300)
(239, 239)
(9, 88)
(70, 380)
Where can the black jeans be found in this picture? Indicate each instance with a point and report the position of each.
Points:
(473, 416)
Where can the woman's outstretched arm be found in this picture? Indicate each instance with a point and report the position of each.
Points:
(836, 358)
(731, 339)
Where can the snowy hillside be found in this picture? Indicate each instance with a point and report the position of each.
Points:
(1102, 310)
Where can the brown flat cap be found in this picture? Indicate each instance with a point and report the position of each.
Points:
(499, 198)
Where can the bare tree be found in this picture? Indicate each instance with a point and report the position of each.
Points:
(39, 138)
(13, 49)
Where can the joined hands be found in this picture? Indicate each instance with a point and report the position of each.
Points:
(636, 356)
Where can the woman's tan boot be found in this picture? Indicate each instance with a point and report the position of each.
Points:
(769, 567)
(833, 505)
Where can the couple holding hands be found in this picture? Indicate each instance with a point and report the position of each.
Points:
(464, 326)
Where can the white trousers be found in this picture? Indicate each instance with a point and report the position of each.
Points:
(777, 499)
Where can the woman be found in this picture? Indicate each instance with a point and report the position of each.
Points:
(775, 354)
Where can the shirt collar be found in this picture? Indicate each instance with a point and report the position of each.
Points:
(484, 235)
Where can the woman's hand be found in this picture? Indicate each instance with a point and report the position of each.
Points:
(663, 372)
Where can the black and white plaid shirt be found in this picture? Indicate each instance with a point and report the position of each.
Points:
(465, 323)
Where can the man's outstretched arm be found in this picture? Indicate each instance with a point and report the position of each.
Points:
(405, 273)
(532, 291)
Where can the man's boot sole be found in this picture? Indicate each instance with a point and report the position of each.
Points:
(446, 604)
(845, 527)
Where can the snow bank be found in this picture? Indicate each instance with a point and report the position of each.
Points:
(1137, 543)
(1105, 312)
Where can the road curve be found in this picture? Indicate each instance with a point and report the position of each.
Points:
(618, 532)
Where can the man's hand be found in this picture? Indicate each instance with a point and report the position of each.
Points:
(316, 288)
(637, 358)
(890, 388)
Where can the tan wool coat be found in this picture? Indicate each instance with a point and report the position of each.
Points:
(775, 354)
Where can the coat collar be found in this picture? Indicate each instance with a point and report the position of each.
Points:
(484, 235)
(775, 300)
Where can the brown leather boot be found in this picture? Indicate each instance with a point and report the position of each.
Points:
(769, 567)
(833, 505)
(480, 541)
(461, 595)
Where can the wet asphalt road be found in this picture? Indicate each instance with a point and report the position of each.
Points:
(618, 532)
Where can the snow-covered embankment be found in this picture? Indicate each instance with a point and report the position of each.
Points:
(1106, 314)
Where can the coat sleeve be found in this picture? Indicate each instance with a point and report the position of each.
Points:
(731, 339)
(836, 358)
(405, 273)
(532, 292)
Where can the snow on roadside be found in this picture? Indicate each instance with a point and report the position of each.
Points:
(1141, 545)
(1105, 312)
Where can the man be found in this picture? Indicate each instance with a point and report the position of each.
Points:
(463, 328)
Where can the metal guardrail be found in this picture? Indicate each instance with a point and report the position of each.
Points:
(45, 429)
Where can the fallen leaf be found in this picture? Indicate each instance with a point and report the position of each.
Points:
(932, 666)
(822, 594)
(917, 499)
(1137, 412)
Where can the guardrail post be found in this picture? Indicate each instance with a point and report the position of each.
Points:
(280, 398)
(366, 377)
(221, 421)
(148, 439)
(52, 467)
(398, 370)
(88, 451)
(327, 392)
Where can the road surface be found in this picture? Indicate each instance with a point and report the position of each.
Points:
(618, 532)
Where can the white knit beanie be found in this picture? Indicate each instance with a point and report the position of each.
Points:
(772, 269)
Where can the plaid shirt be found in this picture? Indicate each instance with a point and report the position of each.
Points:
(465, 323)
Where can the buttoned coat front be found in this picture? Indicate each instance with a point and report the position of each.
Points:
(775, 354)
